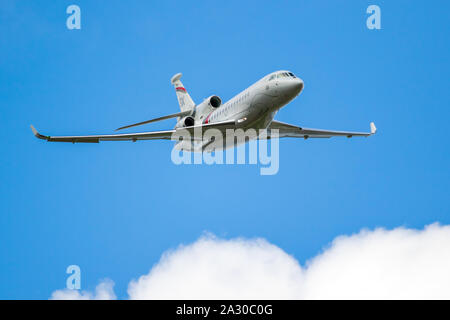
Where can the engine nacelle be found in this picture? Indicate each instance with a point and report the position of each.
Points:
(208, 105)
(214, 101)
(202, 110)
(185, 122)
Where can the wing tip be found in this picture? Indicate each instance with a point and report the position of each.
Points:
(373, 128)
(37, 134)
(34, 130)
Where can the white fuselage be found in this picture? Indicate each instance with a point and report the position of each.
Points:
(256, 106)
(259, 102)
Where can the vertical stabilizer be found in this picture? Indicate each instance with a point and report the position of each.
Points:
(184, 99)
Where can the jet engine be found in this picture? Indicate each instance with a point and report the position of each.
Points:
(186, 122)
(208, 105)
(214, 101)
(202, 110)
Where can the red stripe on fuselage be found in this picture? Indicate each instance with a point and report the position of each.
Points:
(180, 88)
(207, 118)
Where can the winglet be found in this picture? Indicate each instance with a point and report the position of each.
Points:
(37, 134)
(373, 129)
(34, 130)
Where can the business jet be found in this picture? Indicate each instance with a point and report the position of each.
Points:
(253, 108)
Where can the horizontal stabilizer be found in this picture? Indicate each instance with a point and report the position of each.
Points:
(179, 114)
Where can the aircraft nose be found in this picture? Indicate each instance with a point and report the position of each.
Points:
(294, 86)
(298, 85)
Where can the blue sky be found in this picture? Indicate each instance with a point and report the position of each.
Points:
(114, 208)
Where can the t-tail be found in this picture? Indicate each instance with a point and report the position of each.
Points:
(184, 99)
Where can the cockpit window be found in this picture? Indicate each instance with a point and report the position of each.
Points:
(285, 75)
(282, 75)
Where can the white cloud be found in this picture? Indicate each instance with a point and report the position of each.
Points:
(103, 291)
(212, 268)
(379, 264)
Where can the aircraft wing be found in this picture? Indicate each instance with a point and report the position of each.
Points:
(109, 137)
(288, 130)
(152, 135)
